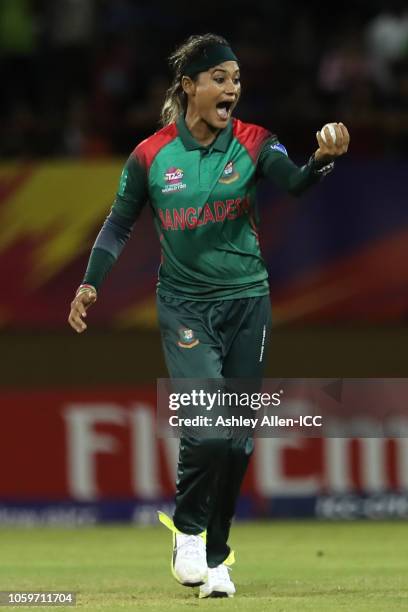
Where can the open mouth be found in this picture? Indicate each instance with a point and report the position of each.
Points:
(224, 109)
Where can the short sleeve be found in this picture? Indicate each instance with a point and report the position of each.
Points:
(132, 192)
(274, 163)
(272, 150)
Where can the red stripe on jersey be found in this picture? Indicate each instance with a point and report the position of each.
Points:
(250, 136)
(147, 150)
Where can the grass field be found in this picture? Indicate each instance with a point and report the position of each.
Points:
(281, 566)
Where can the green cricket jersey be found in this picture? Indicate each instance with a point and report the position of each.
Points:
(204, 208)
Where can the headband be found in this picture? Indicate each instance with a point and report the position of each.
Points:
(212, 55)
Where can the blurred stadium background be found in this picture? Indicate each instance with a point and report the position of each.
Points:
(82, 84)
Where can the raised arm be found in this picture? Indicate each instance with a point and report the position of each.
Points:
(275, 164)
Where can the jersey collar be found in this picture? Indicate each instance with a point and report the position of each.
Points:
(221, 143)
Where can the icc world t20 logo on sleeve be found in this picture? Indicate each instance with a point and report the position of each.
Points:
(187, 338)
(277, 146)
(173, 178)
(229, 174)
(123, 182)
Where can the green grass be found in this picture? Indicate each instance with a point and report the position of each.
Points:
(281, 566)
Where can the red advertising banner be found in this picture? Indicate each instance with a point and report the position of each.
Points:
(100, 445)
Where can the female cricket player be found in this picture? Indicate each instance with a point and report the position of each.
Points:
(199, 174)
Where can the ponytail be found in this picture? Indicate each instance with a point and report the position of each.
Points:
(174, 103)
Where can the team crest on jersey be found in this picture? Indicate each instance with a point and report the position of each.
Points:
(173, 178)
(187, 339)
(229, 174)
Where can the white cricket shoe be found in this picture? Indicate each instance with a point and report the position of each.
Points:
(189, 559)
(189, 562)
(219, 583)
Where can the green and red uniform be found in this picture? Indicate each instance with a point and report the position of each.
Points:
(204, 208)
(213, 292)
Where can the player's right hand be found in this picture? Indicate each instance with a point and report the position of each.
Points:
(83, 299)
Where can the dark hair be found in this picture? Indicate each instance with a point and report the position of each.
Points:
(176, 100)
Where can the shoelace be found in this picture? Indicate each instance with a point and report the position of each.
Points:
(193, 545)
(221, 572)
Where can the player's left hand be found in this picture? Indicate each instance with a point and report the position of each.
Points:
(329, 150)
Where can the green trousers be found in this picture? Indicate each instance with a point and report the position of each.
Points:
(223, 339)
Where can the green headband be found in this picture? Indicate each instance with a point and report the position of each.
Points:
(214, 54)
